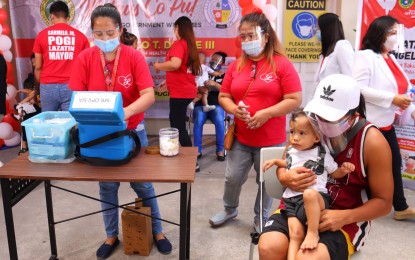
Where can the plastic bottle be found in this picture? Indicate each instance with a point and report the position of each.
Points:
(241, 103)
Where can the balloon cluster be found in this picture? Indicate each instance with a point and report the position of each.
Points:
(263, 6)
(259, 6)
(9, 125)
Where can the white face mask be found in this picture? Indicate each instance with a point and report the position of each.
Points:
(252, 48)
(391, 43)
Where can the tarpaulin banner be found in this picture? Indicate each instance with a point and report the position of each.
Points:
(215, 24)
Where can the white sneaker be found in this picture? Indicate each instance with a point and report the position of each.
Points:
(222, 217)
(191, 106)
(208, 108)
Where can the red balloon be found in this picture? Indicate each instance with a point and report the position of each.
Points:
(6, 29)
(3, 16)
(12, 121)
(1, 142)
(244, 3)
(248, 9)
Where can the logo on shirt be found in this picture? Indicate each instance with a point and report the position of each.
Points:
(268, 77)
(125, 81)
(327, 93)
(45, 6)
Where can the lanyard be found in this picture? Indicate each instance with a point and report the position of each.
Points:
(110, 78)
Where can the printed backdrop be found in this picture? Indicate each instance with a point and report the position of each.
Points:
(215, 24)
(404, 11)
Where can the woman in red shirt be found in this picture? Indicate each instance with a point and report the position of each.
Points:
(111, 66)
(182, 65)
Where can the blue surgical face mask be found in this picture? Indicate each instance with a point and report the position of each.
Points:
(253, 48)
(108, 45)
(318, 35)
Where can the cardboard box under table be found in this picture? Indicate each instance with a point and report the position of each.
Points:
(99, 114)
(136, 229)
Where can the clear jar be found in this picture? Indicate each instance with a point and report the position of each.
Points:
(169, 141)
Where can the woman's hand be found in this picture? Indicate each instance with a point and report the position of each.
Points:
(162, 87)
(402, 101)
(258, 120)
(297, 179)
(156, 66)
(241, 112)
(332, 220)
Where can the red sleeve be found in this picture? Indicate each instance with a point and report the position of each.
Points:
(227, 80)
(143, 78)
(78, 79)
(290, 81)
(177, 50)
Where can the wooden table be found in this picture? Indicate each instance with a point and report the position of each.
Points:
(143, 168)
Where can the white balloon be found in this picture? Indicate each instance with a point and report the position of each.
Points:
(5, 43)
(270, 11)
(8, 56)
(6, 131)
(14, 140)
(259, 3)
(11, 92)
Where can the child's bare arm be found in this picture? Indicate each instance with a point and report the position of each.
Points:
(343, 170)
(278, 162)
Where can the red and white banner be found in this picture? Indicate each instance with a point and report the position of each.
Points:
(215, 24)
(404, 11)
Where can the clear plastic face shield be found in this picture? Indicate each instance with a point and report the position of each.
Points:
(395, 39)
(216, 62)
(332, 134)
(251, 38)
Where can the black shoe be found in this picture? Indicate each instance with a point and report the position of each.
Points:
(199, 155)
(197, 167)
(221, 158)
(163, 245)
(105, 250)
(23, 150)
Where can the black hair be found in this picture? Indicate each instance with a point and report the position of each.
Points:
(331, 29)
(222, 54)
(128, 38)
(376, 34)
(297, 113)
(106, 10)
(32, 56)
(59, 9)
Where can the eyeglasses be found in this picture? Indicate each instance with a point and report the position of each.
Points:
(253, 71)
(109, 33)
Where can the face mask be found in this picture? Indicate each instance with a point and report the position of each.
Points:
(391, 43)
(332, 130)
(108, 45)
(215, 66)
(318, 35)
(252, 48)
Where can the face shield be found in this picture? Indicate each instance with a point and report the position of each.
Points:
(332, 134)
(216, 63)
(251, 38)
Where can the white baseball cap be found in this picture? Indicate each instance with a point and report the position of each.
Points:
(335, 95)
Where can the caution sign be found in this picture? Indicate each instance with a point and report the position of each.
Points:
(300, 25)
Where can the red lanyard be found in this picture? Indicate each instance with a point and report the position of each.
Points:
(110, 77)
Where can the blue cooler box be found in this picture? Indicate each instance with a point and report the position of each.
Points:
(48, 135)
(98, 114)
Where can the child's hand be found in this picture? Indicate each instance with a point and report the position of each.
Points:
(162, 87)
(268, 164)
(347, 167)
(156, 67)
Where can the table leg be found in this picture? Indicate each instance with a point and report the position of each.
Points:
(51, 221)
(185, 207)
(8, 217)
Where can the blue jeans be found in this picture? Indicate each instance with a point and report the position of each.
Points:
(217, 116)
(55, 96)
(108, 191)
